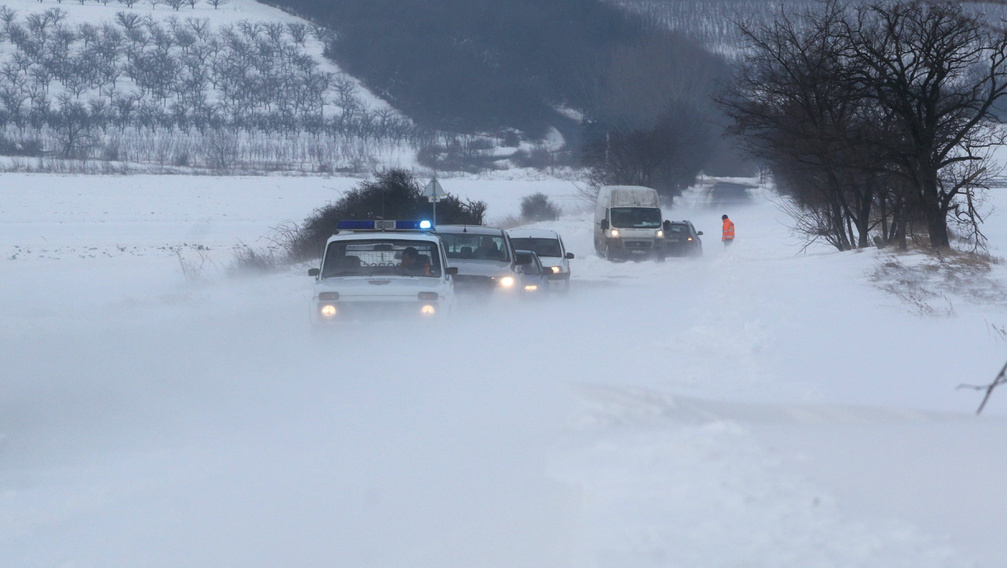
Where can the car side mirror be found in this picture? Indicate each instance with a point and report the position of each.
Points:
(666, 225)
(604, 224)
(522, 258)
(569, 256)
(451, 271)
(700, 233)
(313, 272)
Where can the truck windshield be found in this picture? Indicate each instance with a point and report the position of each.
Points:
(636, 217)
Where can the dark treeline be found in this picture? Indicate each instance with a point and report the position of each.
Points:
(483, 66)
(876, 118)
(470, 65)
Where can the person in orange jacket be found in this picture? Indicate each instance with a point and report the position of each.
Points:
(728, 234)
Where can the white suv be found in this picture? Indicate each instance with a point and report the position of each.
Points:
(485, 259)
(548, 245)
(379, 269)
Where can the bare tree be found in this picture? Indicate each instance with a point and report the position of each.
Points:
(795, 109)
(840, 103)
(298, 32)
(938, 72)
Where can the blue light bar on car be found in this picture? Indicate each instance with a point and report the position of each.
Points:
(413, 225)
(384, 225)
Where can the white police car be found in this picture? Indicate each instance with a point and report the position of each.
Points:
(380, 269)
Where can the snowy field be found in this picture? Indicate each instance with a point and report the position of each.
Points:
(757, 407)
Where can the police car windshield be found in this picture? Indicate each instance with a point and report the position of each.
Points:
(382, 257)
(542, 247)
(475, 247)
(636, 217)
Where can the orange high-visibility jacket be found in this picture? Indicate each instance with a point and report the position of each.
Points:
(728, 230)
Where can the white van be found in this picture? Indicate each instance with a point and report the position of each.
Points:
(628, 223)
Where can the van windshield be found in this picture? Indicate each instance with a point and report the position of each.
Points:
(636, 217)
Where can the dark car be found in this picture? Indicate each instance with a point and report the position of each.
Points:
(682, 239)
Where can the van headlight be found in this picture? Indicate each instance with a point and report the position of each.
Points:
(507, 281)
(659, 234)
(614, 233)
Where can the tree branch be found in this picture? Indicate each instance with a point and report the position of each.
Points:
(1001, 379)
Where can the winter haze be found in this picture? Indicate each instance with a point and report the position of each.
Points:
(760, 406)
(773, 405)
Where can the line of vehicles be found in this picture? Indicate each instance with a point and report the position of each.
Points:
(387, 268)
(384, 268)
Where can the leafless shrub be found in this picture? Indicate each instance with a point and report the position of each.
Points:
(248, 260)
(222, 148)
(911, 285)
(192, 269)
(967, 274)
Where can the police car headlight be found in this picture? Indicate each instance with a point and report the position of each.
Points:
(327, 311)
(428, 310)
(507, 281)
(614, 233)
(530, 288)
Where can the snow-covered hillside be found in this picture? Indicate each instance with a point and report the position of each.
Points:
(755, 407)
(229, 13)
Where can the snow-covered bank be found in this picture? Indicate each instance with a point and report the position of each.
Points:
(754, 407)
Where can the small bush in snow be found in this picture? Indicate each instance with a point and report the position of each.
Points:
(538, 207)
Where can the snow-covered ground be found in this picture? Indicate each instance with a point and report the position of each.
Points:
(757, 407)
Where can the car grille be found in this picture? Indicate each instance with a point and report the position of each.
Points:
(638, 245)
(373, 311)
(472, 283)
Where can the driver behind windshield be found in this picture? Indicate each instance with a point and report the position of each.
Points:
(411, 263)
(488, 249)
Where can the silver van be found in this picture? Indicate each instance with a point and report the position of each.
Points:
(628, 223)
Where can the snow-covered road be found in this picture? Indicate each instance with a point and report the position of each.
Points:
(755, 407)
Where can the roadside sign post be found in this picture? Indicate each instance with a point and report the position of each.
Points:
(434, 193)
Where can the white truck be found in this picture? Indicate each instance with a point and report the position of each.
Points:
(628, 223)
